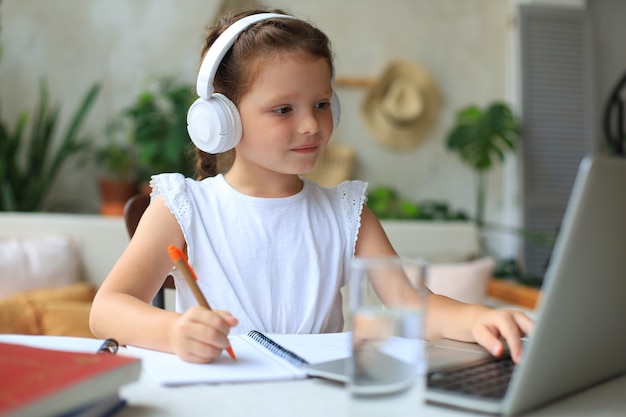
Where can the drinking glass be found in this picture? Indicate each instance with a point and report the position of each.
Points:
(387, 298)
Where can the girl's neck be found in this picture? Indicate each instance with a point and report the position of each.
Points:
(269, 185)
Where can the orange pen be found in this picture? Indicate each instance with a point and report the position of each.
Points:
(180, 260)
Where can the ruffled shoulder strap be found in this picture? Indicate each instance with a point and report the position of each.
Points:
(173, 189)
(353, 197)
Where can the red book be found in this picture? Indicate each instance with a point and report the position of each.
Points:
(35, 381)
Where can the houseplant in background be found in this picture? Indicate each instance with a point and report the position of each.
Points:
(146, 138)
(30, 163)
(117, 179)
(482, 138)
(387, 204)
(156, 124)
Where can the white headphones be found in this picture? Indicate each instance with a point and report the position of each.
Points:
(213, 121)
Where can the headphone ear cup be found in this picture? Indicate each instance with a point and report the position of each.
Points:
(214, 125)
(335, 108)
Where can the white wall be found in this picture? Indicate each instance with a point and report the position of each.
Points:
(465, 44)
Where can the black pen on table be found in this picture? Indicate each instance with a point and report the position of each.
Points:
(109, 347)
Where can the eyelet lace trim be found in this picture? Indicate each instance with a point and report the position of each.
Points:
(172, 188)
(353, 197)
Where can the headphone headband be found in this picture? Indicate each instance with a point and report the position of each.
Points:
(215, 54)
(213, 121)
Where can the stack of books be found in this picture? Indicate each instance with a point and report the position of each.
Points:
(38, 381)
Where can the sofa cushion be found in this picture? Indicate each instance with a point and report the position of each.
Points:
(463, 281)
(64, 318)
(54, 312)
(38, 262)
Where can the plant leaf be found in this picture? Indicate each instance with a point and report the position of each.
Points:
(479, 136)
(30, 163)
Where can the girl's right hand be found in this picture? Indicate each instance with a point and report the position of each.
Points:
(199, 335)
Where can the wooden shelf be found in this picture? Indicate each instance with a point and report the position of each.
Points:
(513, 293)
(355, 82)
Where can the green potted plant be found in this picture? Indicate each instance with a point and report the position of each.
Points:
(157, 125)
(117, 180)
(387, 204)
(118, 161)
(481, 138)
(30, 163)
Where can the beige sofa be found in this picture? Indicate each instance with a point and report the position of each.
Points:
(50, 268)
(61, 307)
(100, 239)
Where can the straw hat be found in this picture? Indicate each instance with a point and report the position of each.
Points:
(402, 107)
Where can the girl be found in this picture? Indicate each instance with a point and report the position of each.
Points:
(270, 248)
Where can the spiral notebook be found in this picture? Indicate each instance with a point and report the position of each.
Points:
(260, 357)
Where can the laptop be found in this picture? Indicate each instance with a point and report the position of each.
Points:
(579, 338)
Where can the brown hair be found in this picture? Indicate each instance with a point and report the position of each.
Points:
(239, 67)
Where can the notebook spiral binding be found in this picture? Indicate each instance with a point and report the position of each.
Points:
(277, 349)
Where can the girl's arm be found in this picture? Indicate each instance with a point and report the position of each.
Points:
(122, 307)
(446, 317)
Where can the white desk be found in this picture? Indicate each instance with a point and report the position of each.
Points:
(316, 397)
(300, 398)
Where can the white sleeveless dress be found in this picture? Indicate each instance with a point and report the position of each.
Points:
(276, 264)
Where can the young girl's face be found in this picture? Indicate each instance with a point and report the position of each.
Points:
(286, 115)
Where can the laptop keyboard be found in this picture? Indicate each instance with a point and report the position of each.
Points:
(488, 379)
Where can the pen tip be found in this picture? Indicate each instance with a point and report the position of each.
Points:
(231, 353)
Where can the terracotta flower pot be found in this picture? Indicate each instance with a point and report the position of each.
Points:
(114, 194)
